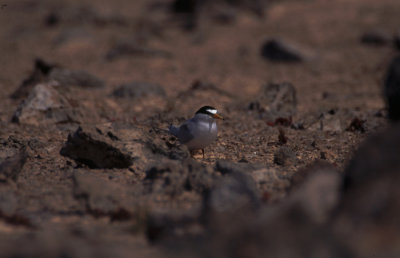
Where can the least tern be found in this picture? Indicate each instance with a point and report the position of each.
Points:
(199, 131)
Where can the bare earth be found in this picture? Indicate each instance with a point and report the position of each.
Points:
(87, 168)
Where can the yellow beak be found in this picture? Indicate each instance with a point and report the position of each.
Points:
(217, 116)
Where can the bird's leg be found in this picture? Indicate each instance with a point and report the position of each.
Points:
(202, 150)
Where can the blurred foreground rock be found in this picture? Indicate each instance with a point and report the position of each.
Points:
(46, 105)
(368, 212)
(11, 167)
(392, 89)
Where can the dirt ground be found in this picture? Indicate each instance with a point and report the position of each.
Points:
(88, 89)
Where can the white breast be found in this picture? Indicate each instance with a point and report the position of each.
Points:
(204, 133)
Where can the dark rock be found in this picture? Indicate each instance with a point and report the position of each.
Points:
(197, 7)
(302, 174)
(369, 207)
(39, 74)
(376, 38)
(397, 40)
(284, 156)
(12, 166)
(185, 6)
(102, 197)
(282, 138)
(375, 158)
(134, 49)
(89, 147)
(392, 89)
(280, 51)
(45, 105)
(357, 125)
(137, 90)
(234, 192)
(8, 203)
(45, 73)
(9, 209)
(173, 177)
(157, 147)
(227, 167)
(316, 189)
(276, 102)
(52, 19)
(266, 233)
(268, 180)
(175, 227)
(75, 78)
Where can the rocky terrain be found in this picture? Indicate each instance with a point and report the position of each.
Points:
(306, 161)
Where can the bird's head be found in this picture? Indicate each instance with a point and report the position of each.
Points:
(211, 111)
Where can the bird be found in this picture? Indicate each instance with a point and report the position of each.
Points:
(199, 131)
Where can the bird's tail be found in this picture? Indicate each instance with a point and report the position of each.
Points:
(173, 130)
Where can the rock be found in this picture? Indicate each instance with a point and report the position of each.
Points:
(285, 156)
(102, 197)
(376, 38)
(158, 145)
(397, 40)
(375, 158)
(10, 211)
(331, 124)
(269, 180)
(12, 166)
(89, 147)
(371, 196)
(45, 105)
(275, 102)
(392, 89)
(83, 14)
(171, 227)
(234, 192)
(265, 233)
(39, 74)
(126, 49)
(196, 7)
(174, 152)
(185, 6)
(316, 189)
(302, 174)
(357, 125)
(82, 79)
(45, 73)
(136, 90)
(227, 167)
(8, 203)
(173, 178)
(52, 19)
(280, 51)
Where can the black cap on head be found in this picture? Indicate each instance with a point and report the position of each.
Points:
(207, 110)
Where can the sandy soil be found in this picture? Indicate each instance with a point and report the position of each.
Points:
(124, 187)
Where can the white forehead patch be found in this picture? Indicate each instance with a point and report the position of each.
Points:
(212, 111)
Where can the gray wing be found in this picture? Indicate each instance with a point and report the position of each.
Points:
(185, 135)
